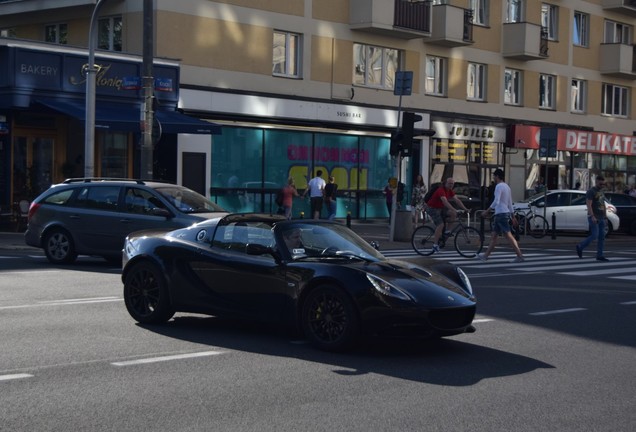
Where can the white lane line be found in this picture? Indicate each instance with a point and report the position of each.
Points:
(584, 264)
(482, 320)
(64, 302)
(558, 311)
(630, 277)
(629, 303)
(600, 272)
(33, 271)
(14, 376)
(167, 358)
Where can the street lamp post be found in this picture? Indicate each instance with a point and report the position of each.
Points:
(91, 72)
(148, 113)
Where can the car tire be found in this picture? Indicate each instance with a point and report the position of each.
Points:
(329, 319)
(59, 247)
(146, 294)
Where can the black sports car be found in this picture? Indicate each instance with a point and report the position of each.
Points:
(318, 277)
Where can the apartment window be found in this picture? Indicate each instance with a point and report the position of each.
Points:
(547, 91)
(109, 34)
(480, 11)
(435, 76)
(550, 20)
(512, 87)
(578, 95)
(476, 85)
(615, 100)
(375, 66)
(581, 35)
(617, 33)
(514, 11)
(286, 54)
(56, 33)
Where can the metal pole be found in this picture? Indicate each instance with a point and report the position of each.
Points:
(396, 173)
(91, 72)
(148, 114)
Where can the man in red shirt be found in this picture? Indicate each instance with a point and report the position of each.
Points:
(440, 208)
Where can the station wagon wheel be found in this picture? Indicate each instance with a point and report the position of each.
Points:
(329, 319)
(146, 295)
(59, 247)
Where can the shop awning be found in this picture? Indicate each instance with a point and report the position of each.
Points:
(126, 118)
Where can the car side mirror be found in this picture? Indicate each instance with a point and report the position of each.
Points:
(160, 212)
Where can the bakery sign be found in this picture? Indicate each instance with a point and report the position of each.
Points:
(578, 141)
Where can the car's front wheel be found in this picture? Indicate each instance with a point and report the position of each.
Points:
(329, 318)
(146, 294)
(59, 247)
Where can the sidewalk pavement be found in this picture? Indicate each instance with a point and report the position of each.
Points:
(379, 230)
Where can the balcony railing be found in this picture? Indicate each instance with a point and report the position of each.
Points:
(413, 15)
(468, 25)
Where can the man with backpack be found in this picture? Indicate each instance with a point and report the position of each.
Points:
(439, 208)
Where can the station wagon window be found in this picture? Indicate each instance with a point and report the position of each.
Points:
(98, 197)
(140, 201)
(59, 198)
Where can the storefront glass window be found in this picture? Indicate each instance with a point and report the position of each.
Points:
(114, 155)
(250, 165)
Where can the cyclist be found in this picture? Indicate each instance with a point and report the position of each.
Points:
(440, 208)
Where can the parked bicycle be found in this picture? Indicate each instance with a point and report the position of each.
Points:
(531, 223)
(468, 240)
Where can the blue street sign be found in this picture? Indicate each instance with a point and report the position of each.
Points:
(403, 83)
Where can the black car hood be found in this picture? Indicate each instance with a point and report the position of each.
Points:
(422, 284)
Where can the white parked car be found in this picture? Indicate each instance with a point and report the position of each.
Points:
(569, 209)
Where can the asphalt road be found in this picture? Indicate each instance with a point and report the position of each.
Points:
(552, 351)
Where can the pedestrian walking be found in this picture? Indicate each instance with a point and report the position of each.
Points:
(388, 195)
(330, 198)
(289, 192)
(502, 208)
(315, 189)
(417, 200)
(596, 219)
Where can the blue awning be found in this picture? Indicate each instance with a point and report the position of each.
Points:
(126, 118)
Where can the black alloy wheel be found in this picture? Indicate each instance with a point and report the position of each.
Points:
(329, 319)
(59, 247)
(146, 295)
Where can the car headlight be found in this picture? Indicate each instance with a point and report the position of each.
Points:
(385, 288)
(465, 280)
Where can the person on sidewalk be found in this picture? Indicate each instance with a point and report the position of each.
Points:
(440, 208)
(502, 207)
(316, 189)
(596, 219)
(330, 198)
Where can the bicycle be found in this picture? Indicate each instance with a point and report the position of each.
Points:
(468, 240)
(531, 223)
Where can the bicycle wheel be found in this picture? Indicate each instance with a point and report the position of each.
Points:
(468, 242)
(537, 226)
(422, 240)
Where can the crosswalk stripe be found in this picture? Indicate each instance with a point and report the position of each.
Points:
(601, 272)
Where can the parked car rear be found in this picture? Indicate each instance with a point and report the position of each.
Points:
(94, 216)
(625, 209)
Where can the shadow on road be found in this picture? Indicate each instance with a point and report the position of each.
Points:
(446, 362)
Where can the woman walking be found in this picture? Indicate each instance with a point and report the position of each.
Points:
(289, 192)
(417, 200)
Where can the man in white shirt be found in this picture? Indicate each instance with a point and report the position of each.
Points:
(502, 207)
(315, 188)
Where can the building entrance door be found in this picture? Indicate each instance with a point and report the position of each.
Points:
(32, 165)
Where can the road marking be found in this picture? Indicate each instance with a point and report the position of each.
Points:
(65, 302)
(588, 264)
(167, 358)
(558, 311)
(601, 272)
(14, 376)
(629, 303)
(630, 277)
(483, 320)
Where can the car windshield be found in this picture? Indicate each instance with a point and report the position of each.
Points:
(306, 240)
(188, 201)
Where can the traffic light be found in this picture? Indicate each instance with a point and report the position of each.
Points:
(408, 121)
(396, 143)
